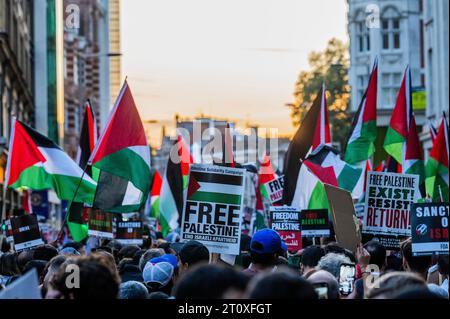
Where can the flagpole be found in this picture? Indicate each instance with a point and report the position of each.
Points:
(71, 202)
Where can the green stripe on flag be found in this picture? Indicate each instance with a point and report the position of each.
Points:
(209, 197)
(37, 178)
(319, 199)
(349, 177)
(393, 144)
(363, 147)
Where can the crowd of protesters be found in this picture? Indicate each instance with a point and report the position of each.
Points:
(167, 269)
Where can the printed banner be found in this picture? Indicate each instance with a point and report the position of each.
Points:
(315, 223)
(390, 242)
(100, 224)
(429, 224)
(129, 232)
(212, 211)
(286, 221)
(26, 234)
(274, 189)
(39, 204)
(389, 197)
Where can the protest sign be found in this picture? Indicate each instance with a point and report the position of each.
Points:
(26, 234)
(100, 224)
(39, 205)
(390, 242)
(388, 202)
(429, 225)
(286, 222)
(274, 189)
(129, 232)
(25, 287)
(212, 211)
(315, 223)
(345, 222)
(359, 208)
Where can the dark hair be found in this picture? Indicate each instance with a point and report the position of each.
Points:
(6, 247)
(9, 265)
(156, 287)
(23, 258)
(282, 285)
(333, 247)
(393, 263)
(158, 295)
(39, 265)
(45, 252)
(194, 252)
(246, 259)
(377, 253)
(127, 252)
(418, 264)
(245, 243)
(263, 259)
(311, 256)
(96, 280)
(443, 264)
(209, 282)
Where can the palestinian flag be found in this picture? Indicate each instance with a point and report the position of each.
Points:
(266, 175)
(361, 142)
(174, 183)
(123, 157)
(322, 135)
(215, 188)
(310, 191)
(77, 213)
(154, 195)
(413, 157)
(36, 163)
(26, 202)
(398, 131)
(258, 219)
(350, 178)
(299, 148)
(437, 181)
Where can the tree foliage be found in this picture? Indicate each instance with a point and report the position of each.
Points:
(329, 67)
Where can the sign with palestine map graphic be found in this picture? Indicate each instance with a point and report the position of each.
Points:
(212, 211)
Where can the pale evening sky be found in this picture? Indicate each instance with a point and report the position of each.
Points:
(235, 59)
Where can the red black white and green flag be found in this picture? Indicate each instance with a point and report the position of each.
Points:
(77, 212)
(402, 138)
(154, 195)
(37, 163)
(437, 175)
(174, 183)
(122, 155)
(361, 142)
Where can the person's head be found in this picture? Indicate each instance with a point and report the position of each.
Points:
(443, 265)
(127, 252)
(332, 263)
(282, 284)
(158, 295)
(158, 277)
(334, 247)
(133, 290)
(418, 264)
(388, 285)
(39, 265)
(265, 247)
(79, 247)
(149, 254)
(45, 252)
(322, 276)
(171, 259)
(52, 268)
(245, 243)
(23, 258)
(108, 261)
(129, 271)
(192, 253)
(9, 265)
(210, 281)
(95, 280)
(415, 293)
(69, 251)
(377, 254)
(310, 258)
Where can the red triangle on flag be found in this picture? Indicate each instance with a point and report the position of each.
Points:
(325, 174)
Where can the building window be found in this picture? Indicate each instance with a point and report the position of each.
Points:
(390, 29)
(362, 36)
(390, 84)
